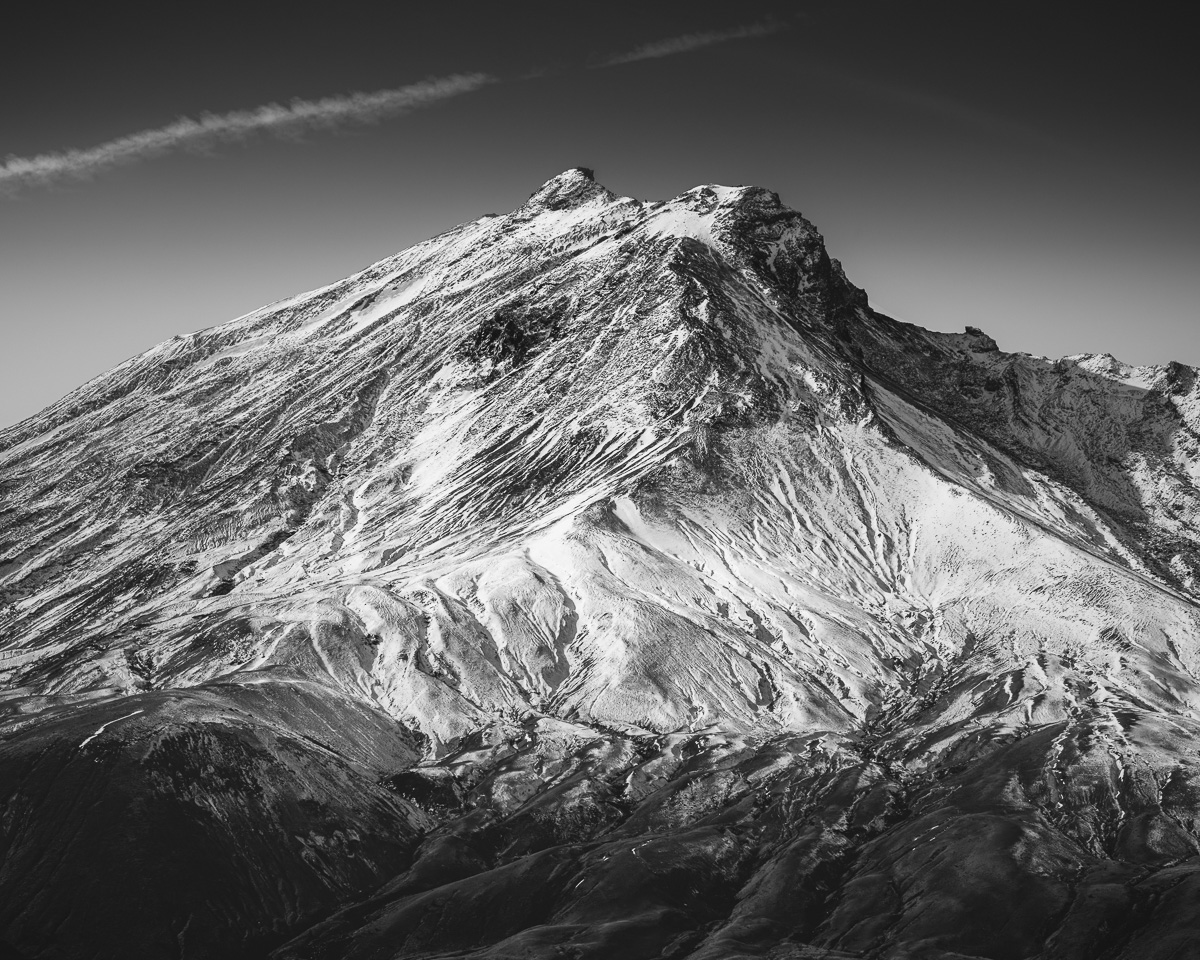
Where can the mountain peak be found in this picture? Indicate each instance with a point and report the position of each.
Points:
(607, 541)
(571, 188)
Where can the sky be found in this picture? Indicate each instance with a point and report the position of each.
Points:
(1010, 167)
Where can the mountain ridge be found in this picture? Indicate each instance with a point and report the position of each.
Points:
(606, 524)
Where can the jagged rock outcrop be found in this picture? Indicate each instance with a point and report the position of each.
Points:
(602, 579)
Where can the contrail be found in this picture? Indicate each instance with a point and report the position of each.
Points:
(211, 129)
(693, 41)
(294, 118)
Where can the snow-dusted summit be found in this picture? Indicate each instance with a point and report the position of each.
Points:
(603, 579)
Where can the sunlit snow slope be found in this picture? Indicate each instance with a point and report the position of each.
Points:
(602, 579)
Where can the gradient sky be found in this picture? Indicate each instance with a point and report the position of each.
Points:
(1006, 166)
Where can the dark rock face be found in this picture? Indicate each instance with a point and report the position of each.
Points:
(515, 333)
(606, 579)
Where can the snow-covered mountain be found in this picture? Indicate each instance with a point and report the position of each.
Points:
(605, 579)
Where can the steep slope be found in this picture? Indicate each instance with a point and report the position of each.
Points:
(676, 603)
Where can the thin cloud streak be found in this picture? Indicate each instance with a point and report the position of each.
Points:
(685, 43)
(210, 130)
(300, 116)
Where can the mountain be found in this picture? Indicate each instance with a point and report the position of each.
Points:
(604, 579)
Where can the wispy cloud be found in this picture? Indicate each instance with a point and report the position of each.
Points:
(686, 42)
(299, 116)
(209, 130)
